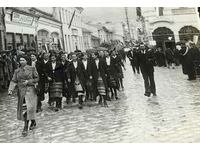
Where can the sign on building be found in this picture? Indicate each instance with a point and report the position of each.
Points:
(23, 19)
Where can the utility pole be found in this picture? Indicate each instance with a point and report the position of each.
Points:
(127, 21)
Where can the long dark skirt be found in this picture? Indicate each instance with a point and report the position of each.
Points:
(100, 86)
(55, 90)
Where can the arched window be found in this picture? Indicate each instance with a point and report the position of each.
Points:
(187, 33)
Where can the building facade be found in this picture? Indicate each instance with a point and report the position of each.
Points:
(21, 27)
(167, 25)
(49, 28)
(2, 29)
(71, 18)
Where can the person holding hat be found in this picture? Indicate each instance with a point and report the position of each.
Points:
(25, 79)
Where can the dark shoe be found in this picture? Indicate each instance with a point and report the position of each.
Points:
(100, 102)
(105, 104)
(74, 101)
(147, 94)
(24, 132)
(154, 94)
(80, 107)
(190, 79)
(33, 125)
(116, 98)
(56, 109)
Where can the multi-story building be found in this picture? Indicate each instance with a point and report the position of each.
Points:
(21, 27)
(167, 25)
(71, 18)
(49, 28)
(87, 38)
(38, 28)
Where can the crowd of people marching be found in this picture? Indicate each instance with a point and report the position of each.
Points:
(85, 76)
(81, 76)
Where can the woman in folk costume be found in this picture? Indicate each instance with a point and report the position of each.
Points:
(77, 79)
(66, 86)
(112, 78)
(117, 60)
(25, 77)
(98, 70)
(55, 77)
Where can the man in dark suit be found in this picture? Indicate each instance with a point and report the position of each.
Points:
(86, 65)
(146, 58)
(132, 55)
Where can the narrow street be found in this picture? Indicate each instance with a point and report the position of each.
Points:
(172, 116)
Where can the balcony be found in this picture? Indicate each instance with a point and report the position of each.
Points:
(183, 10)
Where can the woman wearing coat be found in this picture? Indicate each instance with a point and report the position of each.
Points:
(118, 65)
(55, 77)
(25, 79)
(112, 78)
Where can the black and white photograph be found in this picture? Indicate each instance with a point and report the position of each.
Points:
(99, 74)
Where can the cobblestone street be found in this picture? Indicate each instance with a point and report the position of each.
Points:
(172, 116)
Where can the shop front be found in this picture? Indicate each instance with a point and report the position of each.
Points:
(20, 29)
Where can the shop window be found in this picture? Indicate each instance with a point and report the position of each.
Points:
(25, 40)
(18, 39)
(10, 41)
(32, 41)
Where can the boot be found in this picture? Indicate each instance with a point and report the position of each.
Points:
(25, 131)
(80, 102)
(33, 125)
(105, 103)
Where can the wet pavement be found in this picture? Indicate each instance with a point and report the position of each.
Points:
(172, 116)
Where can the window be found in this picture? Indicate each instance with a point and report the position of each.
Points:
(10, 41)
(138, 11)
(160, 9)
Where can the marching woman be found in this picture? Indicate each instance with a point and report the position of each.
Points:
(55, 77)
(98, 69)
(117, 60)
(77, 79)
(66, 85)
(112, 78)
(25, 78)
